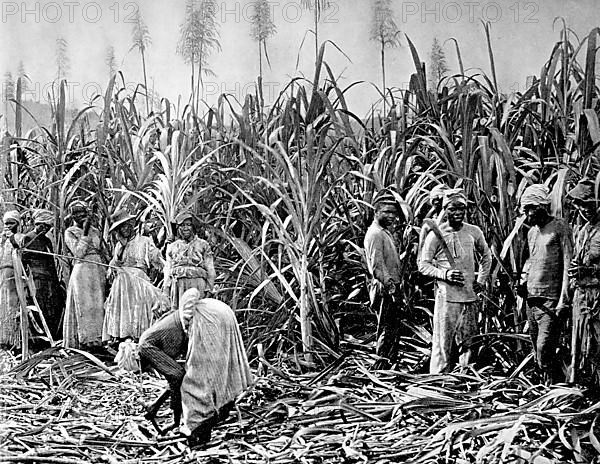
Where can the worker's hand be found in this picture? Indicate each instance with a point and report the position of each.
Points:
(455, 277)
(391, 287)
(477, 287)
(40, 229)
(522, 290)
(574, 271)
(563, 311)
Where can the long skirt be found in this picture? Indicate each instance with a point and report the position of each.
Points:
(131, 305)
(51, 299)
(453, 326)
(585, 346)
(84, 311)
(181, 285)
(10, 328)
(217, 369)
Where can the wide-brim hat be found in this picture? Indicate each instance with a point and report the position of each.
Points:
(120, 217)
(183, 215)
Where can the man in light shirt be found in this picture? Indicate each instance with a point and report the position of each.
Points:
(449, 255)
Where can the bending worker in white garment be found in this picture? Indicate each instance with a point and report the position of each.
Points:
(217, 369)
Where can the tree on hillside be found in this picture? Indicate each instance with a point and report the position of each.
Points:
(384, 31)
(263, 27)
(198, 40)
(62, 59)
(8, 90)
(141, 41)
(317, 7)
(111, 61)
(437, 64)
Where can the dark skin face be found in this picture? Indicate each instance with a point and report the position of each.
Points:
(79, 216)
(387, 216)
(126, 229)
(41, 228)
(587, 210)
(537, 215)
(455, 212)
(437, 204)
(10, 225)
(186, 229)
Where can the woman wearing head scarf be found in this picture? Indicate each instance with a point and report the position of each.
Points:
(216, 370)
(549, 251)
(189, 262)
(450, 255)
(10, 240)
(584, 273)
(84, 311)
(48, 292)
(132, 300)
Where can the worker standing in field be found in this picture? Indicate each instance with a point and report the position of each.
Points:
(10, 240)
(548, 257)
(383, 263)
(449, 254)
(48, 292)
(133, 301)
(84, 311)
(189, 261)
(584, 273)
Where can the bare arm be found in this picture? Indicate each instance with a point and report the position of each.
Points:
(77, 246)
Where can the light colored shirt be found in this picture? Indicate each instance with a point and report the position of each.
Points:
(383, 261)
(550, 252)
(463, 244)
(190, 260)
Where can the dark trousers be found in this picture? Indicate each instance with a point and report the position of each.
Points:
(387, 308)
(169, 368)
(545, 329)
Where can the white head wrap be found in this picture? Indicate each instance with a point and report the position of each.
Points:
(456, 195)
(12, 214)
(535, 195)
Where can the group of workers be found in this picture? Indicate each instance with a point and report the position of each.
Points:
(170, 321)
(91, 316)
(560, 280)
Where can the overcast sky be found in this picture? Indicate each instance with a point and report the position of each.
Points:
(522, 32)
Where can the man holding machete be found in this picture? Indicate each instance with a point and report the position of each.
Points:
(449, 255)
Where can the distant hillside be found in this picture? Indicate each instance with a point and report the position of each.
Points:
(34, 114)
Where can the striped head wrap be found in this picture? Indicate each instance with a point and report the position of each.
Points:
(43, 216)
(77, 204)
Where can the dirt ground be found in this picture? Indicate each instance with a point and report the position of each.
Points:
(67, 407)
